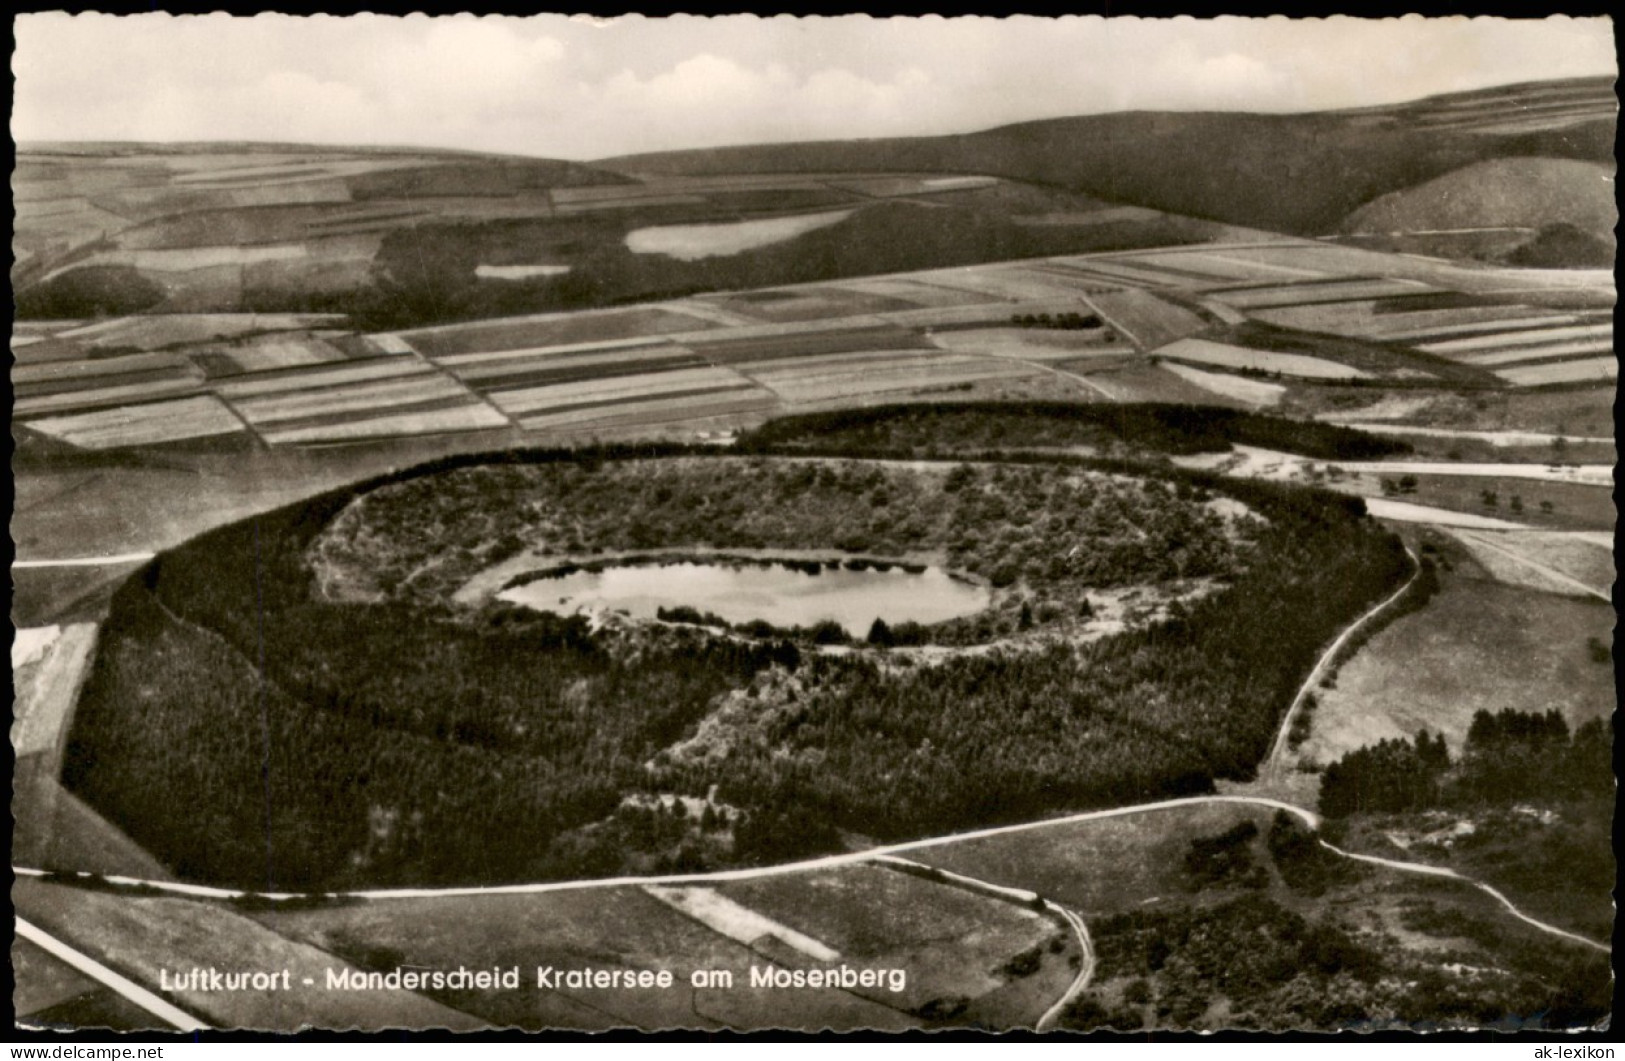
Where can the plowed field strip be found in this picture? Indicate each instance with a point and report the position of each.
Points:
(654, 412)
(1563, 372)
(1521, 354)
(624, 347)
(474, 417)
(520, 379)
(103, 396)
(267, 411)
(176, 374)
(1522, 337)
(525, 402)
(318, 380)
(91, 370)
(137, 425)
(454, 400)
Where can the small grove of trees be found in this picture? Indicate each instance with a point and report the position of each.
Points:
(1508, 756)
(1061, 321)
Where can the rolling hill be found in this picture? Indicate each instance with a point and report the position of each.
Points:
(1317, 167)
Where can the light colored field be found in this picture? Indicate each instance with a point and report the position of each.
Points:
(102, 396)
(268, 410)
(550, 329)
(1039, 344)
(1132, 271)
(1519, 354)
(321, 377)
(782, 330)
(1216, 265)
(1522, 337)
(390, 344)
(1476, 646)
(710, 312)
(1584, 474)
(631, 347)
(648, 412)
(271, 355)
(519, 272)
(1009, 283)
(29, 643)
(159, 330)
(143, 425)
(1252, 391)
(1407, 512)
(1204, 351)
(1578, 561)
(739, 923)
(1338, 318)
(140, 937)
(473, 417)
(317, 168)
(806, 392)
(48, 686)
(992, 313)
(1329, 291)
(689, 243)
(185, 260)
(1501, 439)
(68, 371)
(565, 209)
(921, 294)
(891, 187)
(538, 399)
(507, 366)
(1563, 372)
(1148, 321)
(1420, 324)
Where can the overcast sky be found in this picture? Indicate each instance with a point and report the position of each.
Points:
(585, 89)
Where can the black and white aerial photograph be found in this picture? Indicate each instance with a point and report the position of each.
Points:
(890, 525)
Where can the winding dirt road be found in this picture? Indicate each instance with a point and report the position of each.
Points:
(1275, 765)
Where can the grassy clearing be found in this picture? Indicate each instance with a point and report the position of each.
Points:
(1477, 645)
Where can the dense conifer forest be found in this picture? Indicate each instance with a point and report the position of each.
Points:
(255, 721)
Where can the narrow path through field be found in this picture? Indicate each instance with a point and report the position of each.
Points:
(1533, 565)
(1450, 874)
(125, 987)
(1276, 763)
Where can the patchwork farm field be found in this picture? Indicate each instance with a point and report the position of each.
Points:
(720, 362)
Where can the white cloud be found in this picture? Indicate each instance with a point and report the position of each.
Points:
(584, 89)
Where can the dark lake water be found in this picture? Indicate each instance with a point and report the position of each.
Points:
(780, 594)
